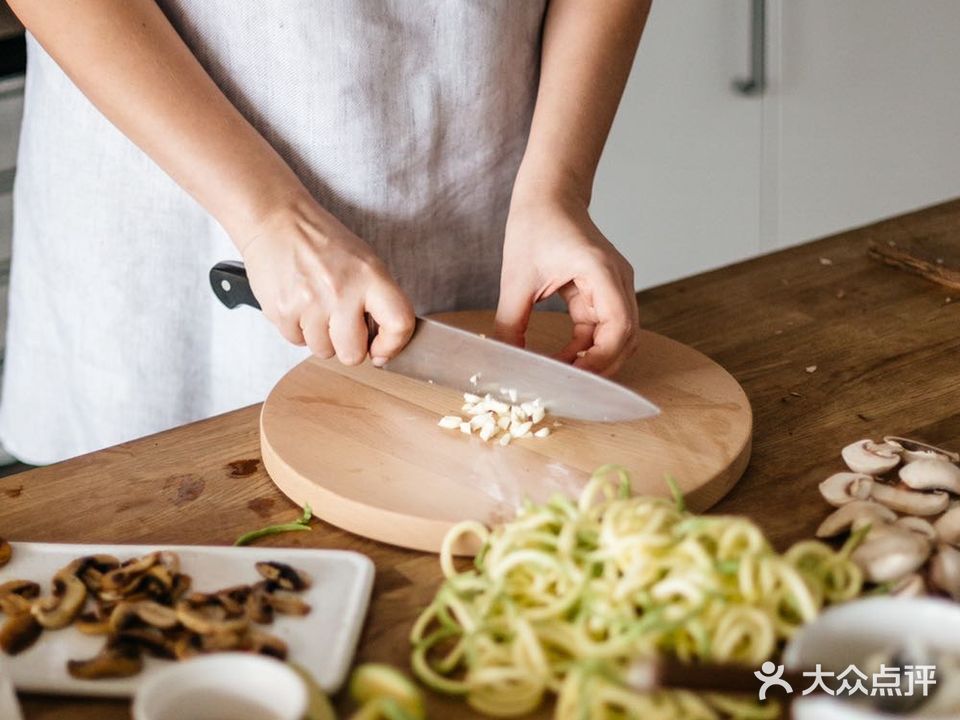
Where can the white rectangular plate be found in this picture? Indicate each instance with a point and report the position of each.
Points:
(323, 641)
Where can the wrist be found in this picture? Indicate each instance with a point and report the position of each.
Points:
(538, 183)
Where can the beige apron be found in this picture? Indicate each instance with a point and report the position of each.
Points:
(406, 119)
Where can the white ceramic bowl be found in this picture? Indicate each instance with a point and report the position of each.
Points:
(849, 633)
(239, 686)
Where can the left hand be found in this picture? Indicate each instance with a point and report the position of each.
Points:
(552, 246)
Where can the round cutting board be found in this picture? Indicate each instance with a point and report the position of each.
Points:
(362, 445)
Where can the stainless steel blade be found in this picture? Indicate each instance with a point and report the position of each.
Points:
(449, 356)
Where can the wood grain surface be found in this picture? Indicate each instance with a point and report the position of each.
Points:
(362, 446)
(885, 346)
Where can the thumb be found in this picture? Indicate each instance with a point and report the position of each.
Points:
(513, 312)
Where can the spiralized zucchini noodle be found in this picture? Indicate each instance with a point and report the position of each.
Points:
(562, 598)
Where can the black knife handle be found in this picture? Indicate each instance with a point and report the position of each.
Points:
(230, 284)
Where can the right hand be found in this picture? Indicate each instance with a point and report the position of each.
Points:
(314, 279)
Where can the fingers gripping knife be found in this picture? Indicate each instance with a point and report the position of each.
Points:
(449, 356)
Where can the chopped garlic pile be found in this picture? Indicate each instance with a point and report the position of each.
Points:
(499, 420)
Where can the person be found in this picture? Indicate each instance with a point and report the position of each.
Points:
(359, 155)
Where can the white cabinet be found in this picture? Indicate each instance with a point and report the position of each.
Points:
(867, 103)
(11, 109)
(678, 188)
(860, 120)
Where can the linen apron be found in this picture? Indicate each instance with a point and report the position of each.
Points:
(405, 118)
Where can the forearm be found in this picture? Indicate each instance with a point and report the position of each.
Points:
(126, 57)
(588, 50)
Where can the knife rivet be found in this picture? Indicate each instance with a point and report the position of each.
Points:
(225, 284)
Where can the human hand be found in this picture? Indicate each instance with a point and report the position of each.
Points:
(552, 246)
(315, 280)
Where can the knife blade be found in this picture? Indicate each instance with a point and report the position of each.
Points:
(467, 362)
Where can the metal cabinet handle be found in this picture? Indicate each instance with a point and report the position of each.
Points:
(756, 83)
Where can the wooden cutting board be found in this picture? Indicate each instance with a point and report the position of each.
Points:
(363, 448)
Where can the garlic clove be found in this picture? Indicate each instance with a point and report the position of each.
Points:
(450, 422)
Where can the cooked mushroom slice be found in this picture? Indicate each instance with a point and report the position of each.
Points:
(855, 514)
(93, 623)
(932, 475)
(284, 576)
(258, 607)
(146, 612)
(116, 660)
(843, 487)
(945, 571)
(69, 596)
(286, 603)
(265, 644)
(150, 640)
(19, 632)
(221, 641)
(15, 596)
(915, 450)
(948, 526)
(924, 528)
(186, 645)
(912, 502)
(181, 586)
(912, 585)
(117, 580)
(890, 555)
(92, 568)
(233, 599)
(6, 552)
(208, 618)
(870, 458)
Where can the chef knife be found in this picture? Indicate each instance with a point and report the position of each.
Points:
(462, 360)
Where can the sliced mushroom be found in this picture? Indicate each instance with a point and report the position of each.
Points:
(284, 576)
(207, 619)
(912, 502)
(917, 450)
(923, 528)
(931, 474)
(69, 596)
(945, 571)
(146, 612)
(889, 556)
(912, 585)
(19, 632)
(120, 580)
(16, 596)
(149, 640)
(843, 487)
(233, 599)
(92, 623)
(181, 586)
(265, 644)
(948, 526)
(855, 514)
(6, 552)
(870, 458)
(92, 568)
(286, 603)
(258, 607)
(116, 660)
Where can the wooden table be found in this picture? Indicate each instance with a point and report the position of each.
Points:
(885, 347)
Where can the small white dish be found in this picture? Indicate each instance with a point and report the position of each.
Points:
(239, 686)
(850, 633)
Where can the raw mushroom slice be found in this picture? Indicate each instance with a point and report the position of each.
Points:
(912, 502)
(923, 528)
(844, 487)
(914, 450)
(870, 458)
(856, 513)
(931, 474)
(945, 571)
(889, 556)
(912, 585)
(948, 526)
